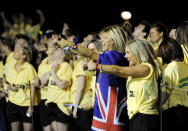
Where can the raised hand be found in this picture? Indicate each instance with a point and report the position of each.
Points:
(55, 66)
(63, 43)
(38, 11)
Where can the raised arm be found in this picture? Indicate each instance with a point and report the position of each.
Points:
(122, 71)
(41, 15)
(44, 79)
(59, 82)
(81, 50)
(5, 21)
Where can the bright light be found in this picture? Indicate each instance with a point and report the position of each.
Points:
(126, 15)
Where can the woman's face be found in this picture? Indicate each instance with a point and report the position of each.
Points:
(51, 49)
(107, 43)
(154, 35)
(21, 42)
(18, 52)
(130, 57)
(172, 33)
(58, 55)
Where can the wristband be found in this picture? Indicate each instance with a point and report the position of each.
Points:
(75, 45)
(101, 69)
(96, 65)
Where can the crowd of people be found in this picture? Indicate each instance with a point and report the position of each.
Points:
(122, 78)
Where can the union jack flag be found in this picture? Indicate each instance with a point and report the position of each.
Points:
(110, 113)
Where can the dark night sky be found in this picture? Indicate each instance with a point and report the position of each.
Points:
(92, 15)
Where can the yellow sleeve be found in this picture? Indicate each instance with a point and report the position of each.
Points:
(9, 57)
(43, 68)
(40, 71)
(31, 74)
(151, 71)
(79, 69)
(65, 72)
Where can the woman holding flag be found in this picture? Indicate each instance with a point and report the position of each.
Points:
(110, 111)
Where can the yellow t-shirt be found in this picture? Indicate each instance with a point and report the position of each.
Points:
(21, 80)
(175, 74)
(56, 94)
(10, 62)
(89, 91)
(44, 67)
(142, 94)
(10, 58)
(185, 54)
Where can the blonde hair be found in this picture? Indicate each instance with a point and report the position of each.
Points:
(143, 53)
(117, 34)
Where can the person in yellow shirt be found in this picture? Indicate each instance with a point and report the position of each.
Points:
(142, 86)
(182, 38)
(82, 95)
(58, 91)
(7, 47)
(113, 40)
(20, 79)
(44, 74)
(83, 89)
(175, 80)
(21, 41)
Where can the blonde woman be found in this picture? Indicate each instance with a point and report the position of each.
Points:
(21, 96)
(110, 97)
(142, 87)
